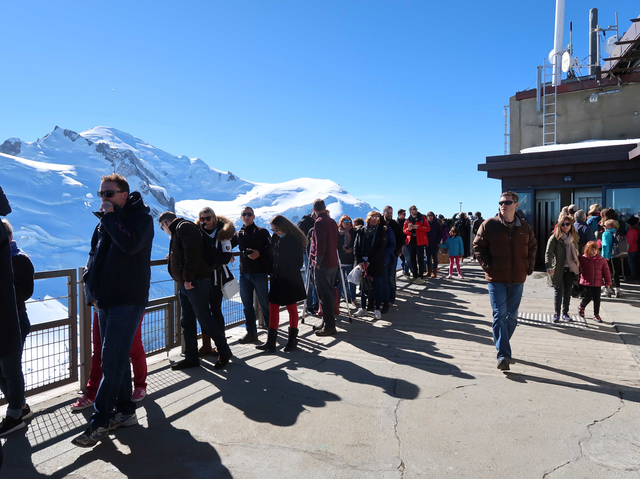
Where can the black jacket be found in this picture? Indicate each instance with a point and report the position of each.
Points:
(118, 271)
(22, 277)
(346, 258)
(10, 338)
(258, 239)
(399, 234)
(375, 252)
(306, 223)
(287, 286)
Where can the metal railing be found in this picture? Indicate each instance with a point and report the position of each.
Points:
(57, 352)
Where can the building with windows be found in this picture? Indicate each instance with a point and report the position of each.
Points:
(577, 143)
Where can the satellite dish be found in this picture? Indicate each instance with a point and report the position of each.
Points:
(610, 44)
(566, 62)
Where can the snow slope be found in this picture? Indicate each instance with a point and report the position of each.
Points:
(51, 184)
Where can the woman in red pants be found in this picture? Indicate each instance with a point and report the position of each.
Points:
(138, 360)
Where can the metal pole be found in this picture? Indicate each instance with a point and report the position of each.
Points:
(558, 43)
(344, 289)
(594, 32)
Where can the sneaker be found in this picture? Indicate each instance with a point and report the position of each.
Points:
(581, 311)
(567, 318)
(556, 318)
(26, 412)
(460, 276)
(83, 403)
(503, 364)
(326, 332)
(360, 313)
(10, 424)
(377, 314)
(122, 420)
(449, 276)
(597, 318)
(419, 280)
(138, 394)
(185, 363)
(608, 293)
(618, 293)
(90, 437)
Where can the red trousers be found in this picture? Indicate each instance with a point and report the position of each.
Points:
(274, 315)
(138, 360)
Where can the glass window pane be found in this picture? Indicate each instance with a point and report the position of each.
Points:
(624, 200)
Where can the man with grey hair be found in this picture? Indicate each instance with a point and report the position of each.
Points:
(584, 230)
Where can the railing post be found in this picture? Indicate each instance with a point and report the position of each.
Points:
(85, 332)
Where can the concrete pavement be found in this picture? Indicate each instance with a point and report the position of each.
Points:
(414, 395)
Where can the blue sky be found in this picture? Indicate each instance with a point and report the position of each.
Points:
(397, 101)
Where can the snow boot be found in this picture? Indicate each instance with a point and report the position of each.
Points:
(270, 345)
(292, 343)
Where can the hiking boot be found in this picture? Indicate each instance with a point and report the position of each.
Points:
(10, 424)
(435, 272)
(503, 364)
(122, 420)
(326, 332)
(138, 394)
(83, 403)
(90, 437)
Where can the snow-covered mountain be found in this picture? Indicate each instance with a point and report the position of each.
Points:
(51, 185)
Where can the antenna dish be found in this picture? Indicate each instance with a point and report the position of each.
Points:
(566, 62)
(610, 44)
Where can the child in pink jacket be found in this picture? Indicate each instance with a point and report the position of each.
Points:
(594, 273)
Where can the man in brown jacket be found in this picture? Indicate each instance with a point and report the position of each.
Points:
(505, 247)
(188, 267)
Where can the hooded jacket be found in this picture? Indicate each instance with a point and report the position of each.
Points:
(505, 256)
(223, 234)
(594, 271)
(118, 271)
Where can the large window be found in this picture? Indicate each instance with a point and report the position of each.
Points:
(526, 204)
(624, 200)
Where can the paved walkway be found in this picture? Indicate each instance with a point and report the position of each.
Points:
(414, 395)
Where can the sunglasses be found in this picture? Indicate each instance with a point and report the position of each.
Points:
(508, 202)
(566, 224)
(346, 221)
(205, 218)
(247, 214)
(274, 229)
(108, 193)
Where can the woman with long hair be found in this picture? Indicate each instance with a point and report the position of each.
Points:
(346, 237)
(222, 230)
(562, 263)
(287, 287)
(369, 251)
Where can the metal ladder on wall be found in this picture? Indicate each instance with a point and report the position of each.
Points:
(549, 106)
(507, 131)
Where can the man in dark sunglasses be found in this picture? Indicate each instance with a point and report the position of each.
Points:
(116, 282)
(254, 244)
(505, 247)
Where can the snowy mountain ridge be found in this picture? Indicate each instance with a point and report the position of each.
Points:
(51, 185)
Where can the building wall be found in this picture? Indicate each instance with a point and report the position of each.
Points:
(613, 117)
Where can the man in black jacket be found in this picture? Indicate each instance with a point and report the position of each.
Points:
(11, 377)
(254, 244)
(117, 279)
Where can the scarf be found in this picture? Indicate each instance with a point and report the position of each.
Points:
(346, 233)
(571, 257)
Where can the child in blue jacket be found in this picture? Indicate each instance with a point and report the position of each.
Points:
(456, 250)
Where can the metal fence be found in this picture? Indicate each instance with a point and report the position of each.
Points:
(58, 351)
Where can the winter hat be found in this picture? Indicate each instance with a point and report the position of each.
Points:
(632, 221)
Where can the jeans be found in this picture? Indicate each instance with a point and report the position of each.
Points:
(374, 295)
(137, 355)
(562, 295)
(118, 326)
(432, 255)
(416, 255)
(505, 300)
(351, 288)
(406, 265)
(390, 274)
(632, 264)
(195, 305)
(258, 282)
(11, 377)
(325, 279)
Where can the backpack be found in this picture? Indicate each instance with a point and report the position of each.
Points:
(620, 247)
(209, 247)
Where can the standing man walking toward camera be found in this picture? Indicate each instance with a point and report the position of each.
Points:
(117, 279)
(505, 247)
(254, 244)
(324, 258)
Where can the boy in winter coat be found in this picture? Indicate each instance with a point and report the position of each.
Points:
(594, 273)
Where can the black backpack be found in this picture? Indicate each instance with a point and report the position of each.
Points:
(209, 248)
(620, 247)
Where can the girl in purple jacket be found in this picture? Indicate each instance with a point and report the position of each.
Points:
(594, 273)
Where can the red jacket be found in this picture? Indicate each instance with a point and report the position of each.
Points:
(594, 270)
(421, 232)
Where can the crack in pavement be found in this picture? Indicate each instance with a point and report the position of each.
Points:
(556, 468)
(401, 466)
(453, 389)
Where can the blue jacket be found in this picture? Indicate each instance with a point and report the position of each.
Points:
(455, 246)
(607, 243)
(118, 270)
(585, 233)
(593, 221)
